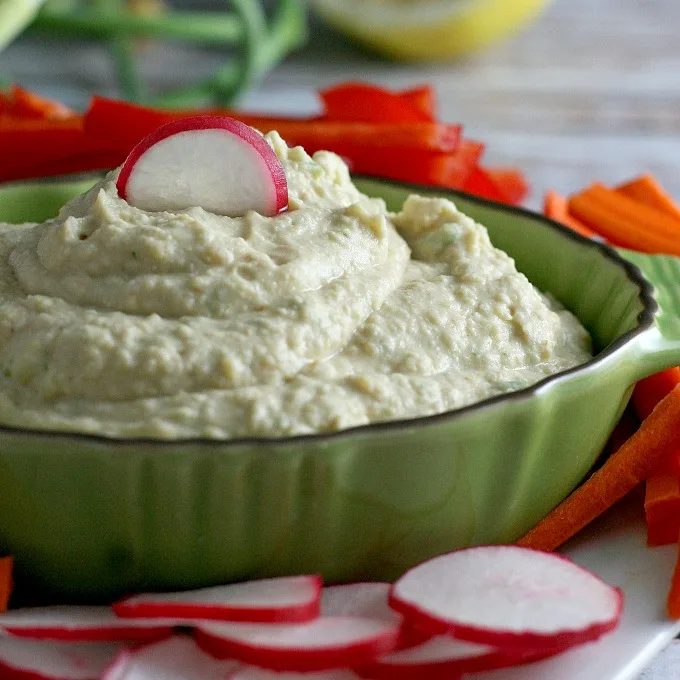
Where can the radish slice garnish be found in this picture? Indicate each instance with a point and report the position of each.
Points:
(289, 599)
(214, 162)
(509, 597)
(326, 643)
(177, 658)
(85, 624)
(252, 673)
(34, 660)
(443, 657)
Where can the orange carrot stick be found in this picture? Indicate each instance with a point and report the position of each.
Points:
(647, 190)
(6, 584)
(626, 222)
(650, 391)
(662, 509)
(633, 463)
(555, 207)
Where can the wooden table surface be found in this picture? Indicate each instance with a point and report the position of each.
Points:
(590, 91)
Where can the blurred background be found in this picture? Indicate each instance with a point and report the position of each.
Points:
(577, 90)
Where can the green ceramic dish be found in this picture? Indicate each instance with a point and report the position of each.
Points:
(89, 518)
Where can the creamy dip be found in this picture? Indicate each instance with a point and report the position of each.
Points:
(126, 323)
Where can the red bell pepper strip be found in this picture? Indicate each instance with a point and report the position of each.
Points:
(480, 184)
(360, 102)
(125, 125)
(424, 167)
(511, 182)
(20, 103)
(650, 391)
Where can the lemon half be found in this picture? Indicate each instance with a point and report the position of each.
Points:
(427, 30)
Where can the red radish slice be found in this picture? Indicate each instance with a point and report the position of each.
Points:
(214, 162)
(443, 658)
(38, 660)
(507, 596)
(85, 624)
(328, 642)
(289, 599)
(252, 673)
(369, 600)
(177, 658)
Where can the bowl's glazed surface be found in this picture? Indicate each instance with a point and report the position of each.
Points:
(89, 518)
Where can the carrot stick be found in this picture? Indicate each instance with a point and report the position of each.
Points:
(633, 463)
(650, 391)
(647, 190)
(6, 583)
(662, 509)
(626, 222)
(555, 207)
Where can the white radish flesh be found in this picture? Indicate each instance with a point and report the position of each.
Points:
(442, 658)
(509, 597)
(177, 658)
(213, 162)
(85, 624)
(326, 643)
(35, 660)
(291, 599)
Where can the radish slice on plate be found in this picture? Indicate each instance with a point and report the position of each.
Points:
(35, 660)
(85, 624)
(252, 673)
(359, 599)
(289, 599)
(214, 162)
(442, 658)
(323, 644)
(177, 658)
(369, 600)
(509, 597)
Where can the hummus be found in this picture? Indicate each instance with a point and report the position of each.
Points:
(126, 323)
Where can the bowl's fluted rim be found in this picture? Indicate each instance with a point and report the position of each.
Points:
(645, 321)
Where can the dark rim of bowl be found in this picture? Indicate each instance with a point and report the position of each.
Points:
(645, 320)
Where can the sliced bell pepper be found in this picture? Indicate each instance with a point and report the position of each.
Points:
(511, 182)
(360, 102)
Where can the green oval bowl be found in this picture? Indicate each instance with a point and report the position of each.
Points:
(90, 518)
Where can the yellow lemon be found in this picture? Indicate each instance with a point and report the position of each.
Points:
(422, 30)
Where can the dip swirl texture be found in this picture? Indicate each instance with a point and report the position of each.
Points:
(126, 323)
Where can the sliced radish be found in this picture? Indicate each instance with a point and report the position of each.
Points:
(323, 644)
(368, 600)
(443, 657)
(177, 658)
(253, 673)
(509, 597)
(289, 599)
(35, 660)
(80, 624)
(214, 162)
